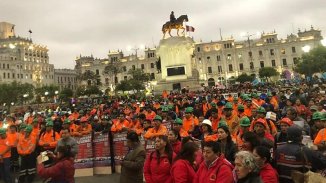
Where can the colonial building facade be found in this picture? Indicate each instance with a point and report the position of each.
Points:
(217, 62)
(66, 78)
(22, 60)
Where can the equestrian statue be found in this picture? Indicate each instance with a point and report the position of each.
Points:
(174, 24)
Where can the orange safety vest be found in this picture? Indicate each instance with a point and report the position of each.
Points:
(26, 145)
(152, 132)
(12, 139)
(50, 138)
(5, 148)
(189, 124)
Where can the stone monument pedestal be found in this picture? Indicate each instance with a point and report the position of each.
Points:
(177, 65)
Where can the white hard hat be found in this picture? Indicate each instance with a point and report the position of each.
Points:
(207, 122)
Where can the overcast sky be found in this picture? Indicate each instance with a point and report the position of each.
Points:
(73, 27)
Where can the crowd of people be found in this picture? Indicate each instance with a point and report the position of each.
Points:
(242, 134)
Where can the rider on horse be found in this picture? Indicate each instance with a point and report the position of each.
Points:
(172, 17)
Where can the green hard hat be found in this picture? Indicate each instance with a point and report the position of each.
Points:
(35, 120)
(189, 110)
(247, 99)
(240, 107)
(178, 121)
(323, 117)
(170, 106)
(22, 126)
(49, 123)
(165, 108)
(157, 117)
(261, 110)
(3, 131)
(81, 111)
(213, 104)
(269, 94)
(228, 106)
(28, 129)
(316, 116)
(222, 123)
(67, 121)
(245, 122)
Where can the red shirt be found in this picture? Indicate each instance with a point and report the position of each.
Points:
(220, 171)
(155, 172)
(182, 171)
(176, 147)
(268, 174)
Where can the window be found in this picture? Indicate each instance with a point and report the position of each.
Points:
(228, 45)
(4, 66)
(229, 56)
(271, 51)
(208, 58)
(218, 58)
(8, 75)
(13, 75)
(133, 67)
(273, 63)
(293, 50)
(250, 54)
(4, 75)
(98, 82)
(198, 49)
(21, 76)
(230, 68)
(97, 73)
(284, 62)
(152, 76)
(295, 61)
(31, 76)
(209, 70)
(116, 80)
(261, 64)
(241, 67)
(142, 66)
(125, 77)
(283, 51)
(251, 65)
(152, 65)
(7, 66)
(124, 68)
(219, 68)
(149, 55)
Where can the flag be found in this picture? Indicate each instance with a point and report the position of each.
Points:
(30, 31)
(190, 28)
(255, 82)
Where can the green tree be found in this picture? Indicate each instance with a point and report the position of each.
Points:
(123, 86)
(90, 77)
(267, 72)
(66, 94)
(312, 62)
(93, 90)
(15, 92)
(113, 69)
(138, 79)
(245, 78)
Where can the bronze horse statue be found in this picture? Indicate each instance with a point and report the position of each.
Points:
(178, 24)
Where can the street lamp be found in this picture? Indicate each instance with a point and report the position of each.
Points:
(306, 48)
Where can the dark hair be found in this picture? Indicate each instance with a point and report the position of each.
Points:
(142, 116)
(187, 152)
(216, 147)
(186, 139)
(132, 136)
(263, 152)
(252, 138)
(65, 151)
(176, 133)
(209, 128)
(168, 149)
(227, 131)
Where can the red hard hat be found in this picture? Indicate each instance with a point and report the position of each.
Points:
(287, 121)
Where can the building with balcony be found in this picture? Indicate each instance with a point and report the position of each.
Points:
(22, 60)
(66, 78)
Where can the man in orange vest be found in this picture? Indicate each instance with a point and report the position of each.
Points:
(231, 119)
(189, 121)
(84, 128)
(49, 138)
(13, 136)
(120, 124)
(26, 147)
(5, 155)
(177, 125)
(157, 130)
